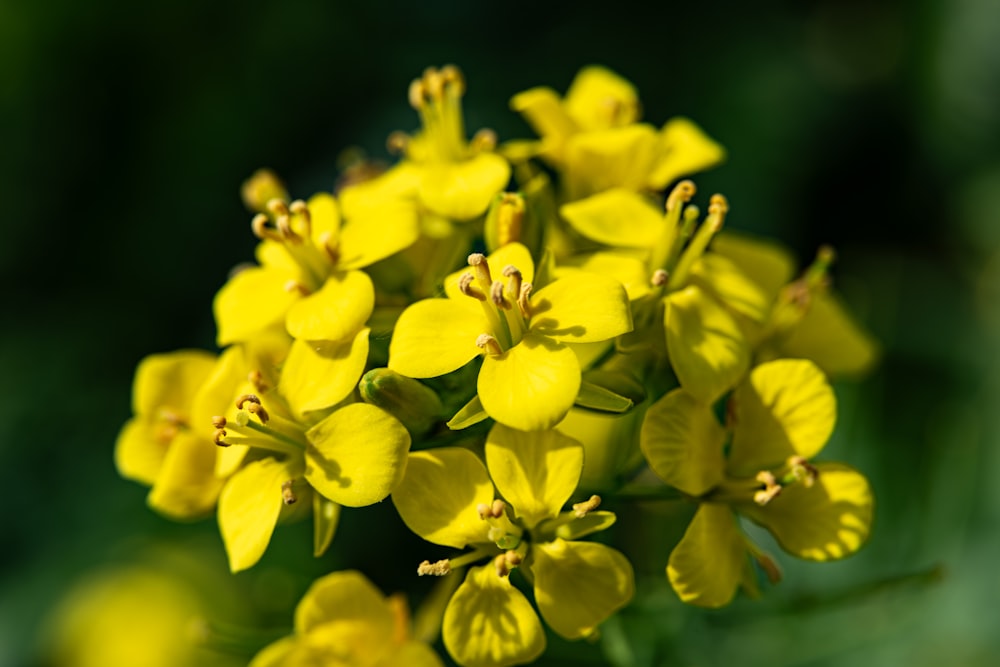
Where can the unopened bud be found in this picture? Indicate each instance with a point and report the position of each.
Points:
(411, 402)
(263, 186)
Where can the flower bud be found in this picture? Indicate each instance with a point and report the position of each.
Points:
(411, 402)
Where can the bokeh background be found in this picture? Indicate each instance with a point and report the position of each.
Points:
(128, 127)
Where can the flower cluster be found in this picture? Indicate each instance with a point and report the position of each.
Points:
(500, 337)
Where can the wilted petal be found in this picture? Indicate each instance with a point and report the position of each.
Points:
(439, 496)
(579, 584)
(536, 471)
(489, 623)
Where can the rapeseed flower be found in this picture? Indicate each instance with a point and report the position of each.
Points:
(450, 498)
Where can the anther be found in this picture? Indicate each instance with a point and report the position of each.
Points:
(397, 142)
(287, 494)
(300, 208)
(514, 284)
(293, 285)
(483, 141)
(284, 225)
(770, 491)
(581, 510)
(523, 303)
(262, 230)
(277, 207)
(497, 297)
(681, 194)
(416, 94)
(252, 398)
(466, 287)
(218, 421)
(659, 278)
(489, 344)
(258, 409)
(330, 247)
(436, 569)
(218, 436)
(481, 268)
(256, 378)
(494, 511)
(452, 76)
(803, 471)
(512, 558)
(717, 209)
(501, 566)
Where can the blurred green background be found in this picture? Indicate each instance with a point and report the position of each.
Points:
(875, 126)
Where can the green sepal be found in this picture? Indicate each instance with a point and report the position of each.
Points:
(471, 413)
(595, 397)
(622, 383)
(413, 403)
(571, 527)
(326, 515)
(545, 272)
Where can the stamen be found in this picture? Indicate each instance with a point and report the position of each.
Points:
(295, 286)
(581, 510)
(481, 269)
(256, 378)
(466, 287)
(416, 94)
(218, 421)
(501, 566)
(257, 409)
(770, 491)
(245, 398)
(513, 558)
(330, 246)
(514, 284)
(489, 344)
(299, 207)
(284, 224)
(497, 297)
(277, 207)
(803, 471)
(436, 569)
(717, 209)
(494, 511)
(261, 230)
(452, 77)
(287, 494)
(659, 278)
(681, 194)
(397, 142)
(483, 141)
(522, 301)
(218, 436)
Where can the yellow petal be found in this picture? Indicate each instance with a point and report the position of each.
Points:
(357, 455)
(706, 567)
(436, 336)
(682, 441)
(165, 384)
(510, 254)
(829, 520)
(721, 277)
(400, 182)
(706, 348)
(344, 596)
(531, 386)
(631, 272)
(324, 218)
(377, 233)
(489, 623)
(830, 336)
(336, 312)
(584, 308)
(413, 654)
(619, 157)
(248, 511)
(319, 374)
(598, 99)
(187, 487)
(275, 654)
(251, 301)
(463, 190)
(785, 408)
(686, 150)
(579, 584)
(139, 453)
(544, 112)
(616, 217)
(609, 444)
(767, 264)
(439, 494)
(535, 471)
(219, 390)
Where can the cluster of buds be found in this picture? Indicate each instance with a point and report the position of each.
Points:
(510, 340)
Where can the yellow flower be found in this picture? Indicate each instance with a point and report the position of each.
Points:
(530, 377)
(353, 456)
(308, 279)
(162, 445)
(448, 497)
(448, 175)
(344, 621)
(782, 416)
(593, 137)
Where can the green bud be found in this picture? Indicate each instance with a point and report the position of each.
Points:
(411, 402)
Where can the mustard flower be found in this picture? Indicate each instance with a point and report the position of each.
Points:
(344, 621)
(782, 415)
(530, 376)
(448, 497)
(308, 279)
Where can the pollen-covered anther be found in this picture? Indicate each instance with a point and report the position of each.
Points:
(436, 569)
(514, 281)
(277, 207)
(284, 225)
(489, 344)
(258, 409)
(330, 246)
(480, 268)
(770, 491)
(501, 565)
(246, 398)
(492, 511)
(512, 558)
(301, 209)
(218, 436)
(218, 421)
(803, 471)
(397, 142)
(659, 278)
(523, 302)
(466, 286)
(262, 228)
(287, 494)
(256, 378)
(581, 510)
(681, 194)
(717, 209)
(497, 296)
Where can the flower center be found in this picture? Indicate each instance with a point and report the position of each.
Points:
(506, 306)
(291, 226)
(267, 430)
